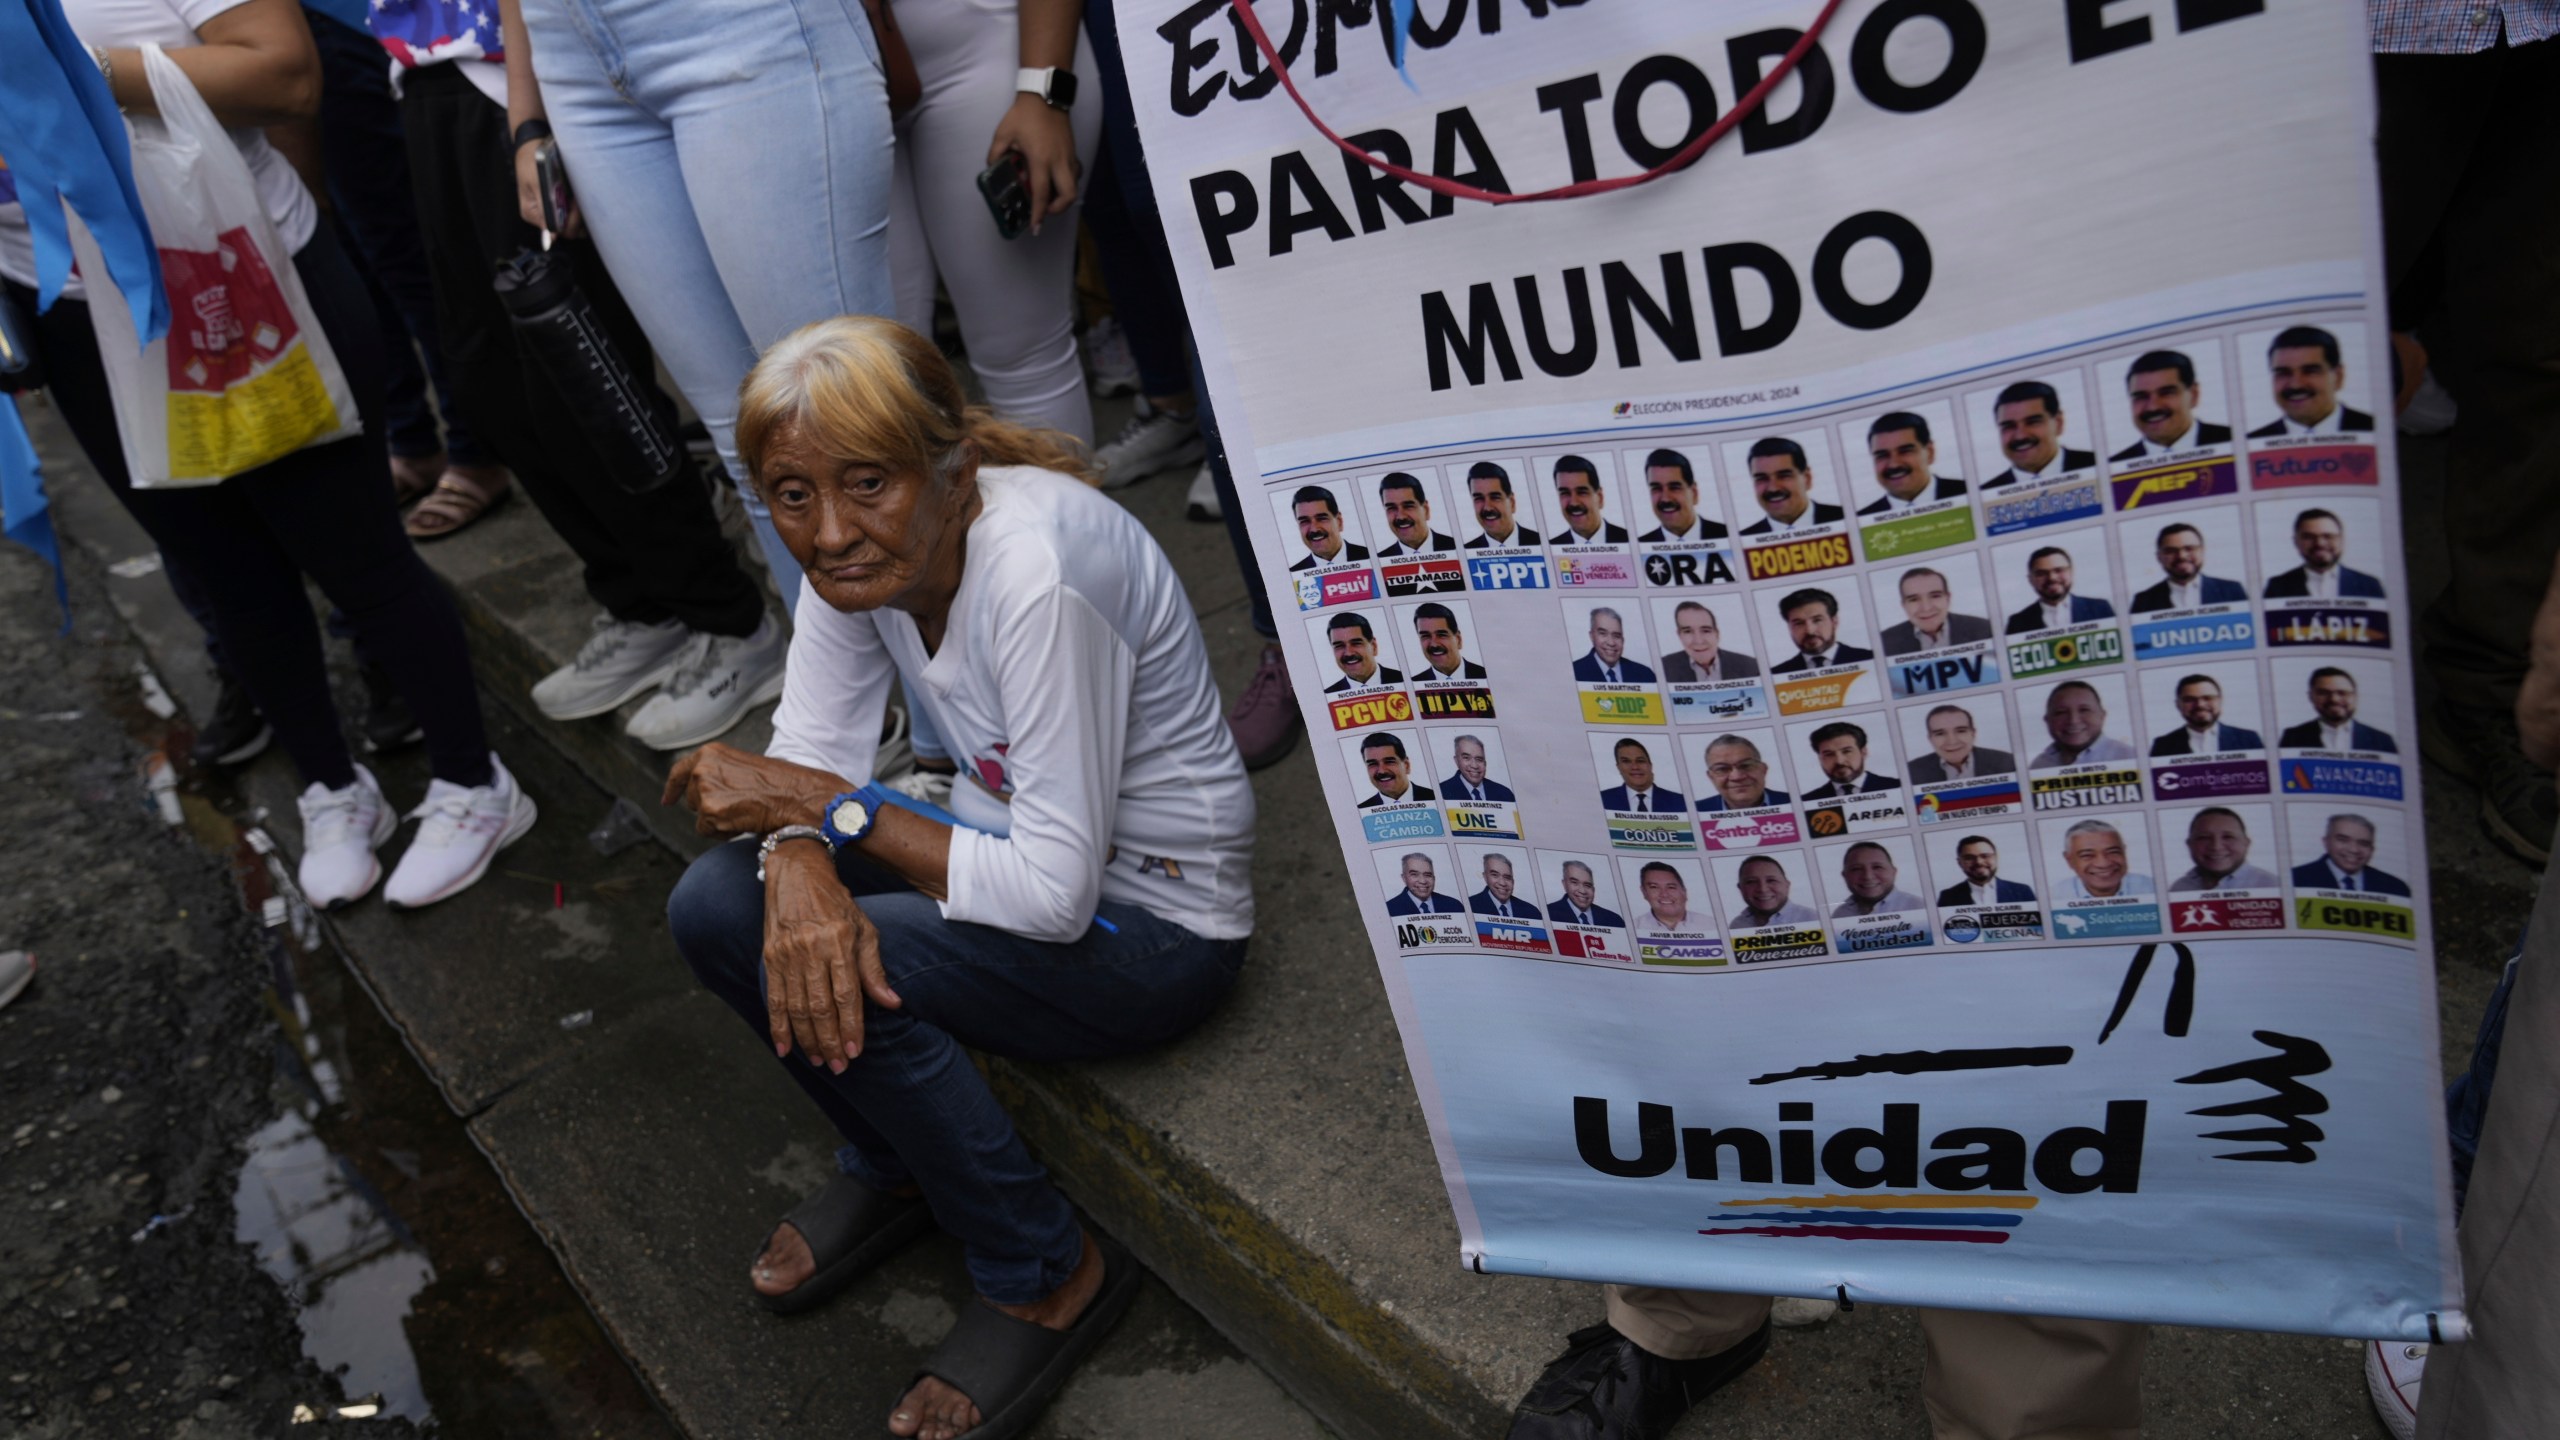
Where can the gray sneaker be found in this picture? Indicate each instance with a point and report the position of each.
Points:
(716, 681)
(619, 660)
(1153, 440)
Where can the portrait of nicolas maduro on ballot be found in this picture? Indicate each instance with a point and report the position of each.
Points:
(1939, 665)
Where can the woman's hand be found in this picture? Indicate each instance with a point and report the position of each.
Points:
(1047, 143)
(529, 196)
(734, 793)
(821, 958)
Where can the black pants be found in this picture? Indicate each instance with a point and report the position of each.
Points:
(649, 558)
(2470, 205)
(325, 512)
(1137, 268)
(367, 164)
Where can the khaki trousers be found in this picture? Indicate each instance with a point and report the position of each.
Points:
(2504, 1380)
(1989, 1377)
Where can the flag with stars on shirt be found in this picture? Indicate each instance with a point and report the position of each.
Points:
(430, 32)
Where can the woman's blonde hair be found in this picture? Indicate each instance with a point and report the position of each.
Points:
(862, 388)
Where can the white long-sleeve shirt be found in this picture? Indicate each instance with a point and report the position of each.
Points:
(1073, 689)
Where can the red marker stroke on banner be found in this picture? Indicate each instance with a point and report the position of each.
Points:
(1682, 159)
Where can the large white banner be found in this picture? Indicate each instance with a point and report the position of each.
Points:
(1863, 682)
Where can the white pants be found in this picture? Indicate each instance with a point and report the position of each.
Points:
(1015, 298)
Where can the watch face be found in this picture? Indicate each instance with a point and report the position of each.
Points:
(849, 818)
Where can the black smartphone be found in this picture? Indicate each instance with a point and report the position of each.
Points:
(1008, 193)
(551, 180)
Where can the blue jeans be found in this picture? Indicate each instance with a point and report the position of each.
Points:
(912, 1109)
(2466, 1100)
(732, 158)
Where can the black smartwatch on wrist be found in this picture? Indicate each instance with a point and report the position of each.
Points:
(530, 131)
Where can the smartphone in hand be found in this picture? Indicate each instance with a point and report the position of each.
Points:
(1007, 187)
(551, 182)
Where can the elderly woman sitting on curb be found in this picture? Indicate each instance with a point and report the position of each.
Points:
(1090, 896)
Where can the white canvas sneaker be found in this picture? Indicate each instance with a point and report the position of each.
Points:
(1202, 503)
(715, 682)
(341, 829)
(619, 660)
(464, 829)
(1153, 440)
(2392, 1372)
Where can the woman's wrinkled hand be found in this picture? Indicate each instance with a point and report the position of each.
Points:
(821, 958)
(734, 793)
(1047, 143)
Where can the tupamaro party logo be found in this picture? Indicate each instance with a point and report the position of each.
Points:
(1890, 1174)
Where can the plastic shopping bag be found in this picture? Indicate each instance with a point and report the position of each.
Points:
(244, 374)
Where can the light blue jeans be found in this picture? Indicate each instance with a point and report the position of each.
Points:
(733, 160)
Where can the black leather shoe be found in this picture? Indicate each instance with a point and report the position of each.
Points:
(387, 723)
(1607, 1387)
(236, 732)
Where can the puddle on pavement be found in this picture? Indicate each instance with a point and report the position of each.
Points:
(414, 1278)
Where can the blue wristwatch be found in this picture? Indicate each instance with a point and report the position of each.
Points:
(851, 815)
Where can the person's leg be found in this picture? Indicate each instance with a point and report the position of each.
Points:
(2480, 131)
(2502, 1381)
(648, 558)
(365, 155)
(252, 593)
(1684, 1324)
(331, 509)
(1014, 298)
(914, 1090)
(667, 115)
(2466, 1100)
(1128, 232)
(717, 915)
(2031, 1377)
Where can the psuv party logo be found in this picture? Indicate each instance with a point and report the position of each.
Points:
(1507, 572)
(1908, 1171)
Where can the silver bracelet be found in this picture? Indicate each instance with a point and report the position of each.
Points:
(106, 62)
(788, 832)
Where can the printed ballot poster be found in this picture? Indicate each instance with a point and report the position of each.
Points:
(1863, 681)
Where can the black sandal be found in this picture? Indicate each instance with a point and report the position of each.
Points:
(849, 1227)
(1010, 1369)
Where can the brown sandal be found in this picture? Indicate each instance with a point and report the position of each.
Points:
(460, 497)
(412, 476)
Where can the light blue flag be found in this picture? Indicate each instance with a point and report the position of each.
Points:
(64, 141)
(24, 511)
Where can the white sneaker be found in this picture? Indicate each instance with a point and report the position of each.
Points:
(1153, 440)
(715, 682)
(928, 786)
(341, 829)
(2392, 1370)
(1202, 503)
(619, 660)
(1109, 367)
(1795, 1312)
(464, 830)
